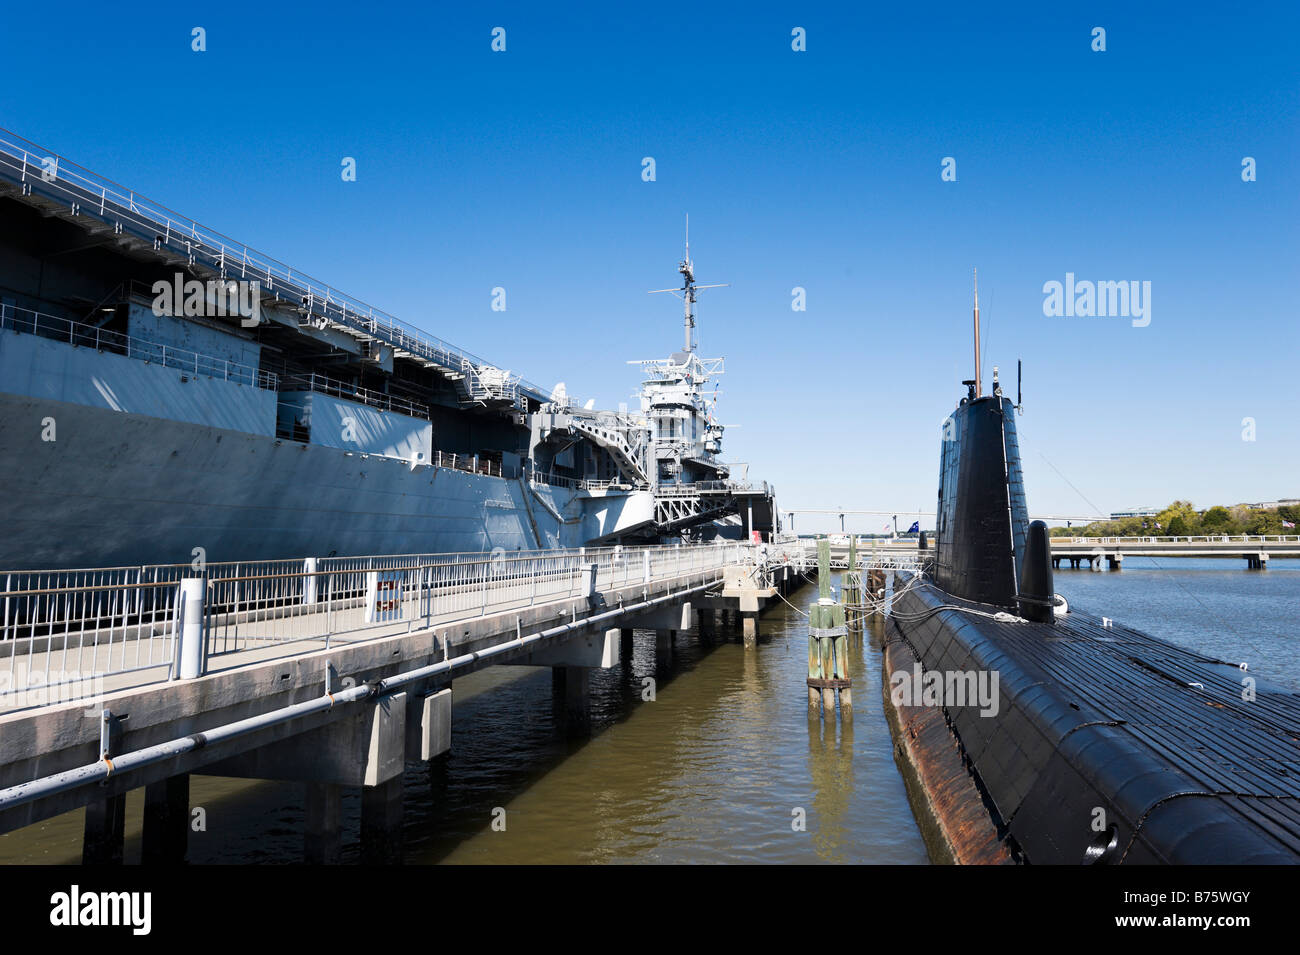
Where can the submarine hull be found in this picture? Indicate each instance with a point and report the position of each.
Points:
(1107, 745)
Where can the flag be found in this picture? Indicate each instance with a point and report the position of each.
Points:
(915, 528)
(886, 528)
(1288, 525)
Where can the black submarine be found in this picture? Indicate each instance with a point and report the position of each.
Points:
(1106, 745)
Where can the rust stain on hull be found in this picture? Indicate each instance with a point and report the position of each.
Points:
(950, 809)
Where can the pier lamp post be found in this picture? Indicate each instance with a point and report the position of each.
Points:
(895, 525)
(841, 522)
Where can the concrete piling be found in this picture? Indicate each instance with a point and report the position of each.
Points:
(104, 832)
(381, 822)
(323, 829)
(577, 699)
(165, 835)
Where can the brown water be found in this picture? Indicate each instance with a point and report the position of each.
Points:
(713, 770)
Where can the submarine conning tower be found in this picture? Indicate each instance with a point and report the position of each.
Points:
(982, 521)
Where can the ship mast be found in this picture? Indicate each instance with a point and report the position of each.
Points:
(687, 292)
(687, 268)
(977, 334)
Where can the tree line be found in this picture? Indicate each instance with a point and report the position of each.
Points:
(1182, 519)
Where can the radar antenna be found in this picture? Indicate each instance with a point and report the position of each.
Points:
(687, 292)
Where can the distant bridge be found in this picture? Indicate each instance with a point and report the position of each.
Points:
(843, 512)
(1255, 549)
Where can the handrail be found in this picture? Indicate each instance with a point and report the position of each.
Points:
(323, 384)
(1189, 539)
(37, 170)
(71, 629)
(56, 328)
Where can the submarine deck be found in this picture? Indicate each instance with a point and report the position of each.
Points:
(1096, 720)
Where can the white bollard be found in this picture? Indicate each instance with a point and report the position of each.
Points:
(309, 582)
(189, 631)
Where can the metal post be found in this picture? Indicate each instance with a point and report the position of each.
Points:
(309, 581)
(189, 618)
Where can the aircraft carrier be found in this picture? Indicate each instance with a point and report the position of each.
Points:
(167, 391)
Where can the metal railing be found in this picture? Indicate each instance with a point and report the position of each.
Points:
(583, 484)
(324, 385)
(553, 479)
(37, 171)
(60, 629)
(1185, 539)
(487, 383)
(81, 335)
(473, 464)
(332, 599)
(709, 487)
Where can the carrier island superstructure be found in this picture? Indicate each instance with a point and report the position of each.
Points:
(165, 389)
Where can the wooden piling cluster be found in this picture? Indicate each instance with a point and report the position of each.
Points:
(851, 591)
(828, 645)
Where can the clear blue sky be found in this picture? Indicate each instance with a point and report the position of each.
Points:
(818, 169)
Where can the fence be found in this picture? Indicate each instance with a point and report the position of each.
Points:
(88, 336)
(60, 628)
(82, 192)
(1196, 539)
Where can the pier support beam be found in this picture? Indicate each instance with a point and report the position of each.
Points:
(664, 642)
(428, 725)
(571, 686)
(381, 822)
(323, 826)
(749, 628)
(1115, 562)
(165, 835)
(625, 644)
(104, 832)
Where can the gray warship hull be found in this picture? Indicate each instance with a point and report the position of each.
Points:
(168, 393)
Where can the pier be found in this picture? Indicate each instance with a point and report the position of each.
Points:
(1255, 550)
(333, 672)
(1109, 552)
